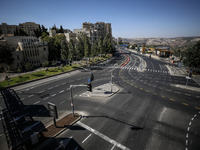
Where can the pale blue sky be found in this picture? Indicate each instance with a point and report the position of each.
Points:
(128, 18)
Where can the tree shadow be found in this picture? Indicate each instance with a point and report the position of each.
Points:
(132, 127)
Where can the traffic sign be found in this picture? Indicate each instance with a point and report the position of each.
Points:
(89, 80)
(52, 110)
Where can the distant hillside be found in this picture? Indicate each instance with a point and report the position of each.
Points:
(170, 42)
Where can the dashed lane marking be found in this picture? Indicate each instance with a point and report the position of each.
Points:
(36, 102)
(62, 102)
(171, 99)
(61, 91)
(185, 104)
(46, 98)
(50, 88)
(31, 95)
(146, 90)
(197, 108)
(155, 93)
(22, 99)
(56, 85)
(163, 96)
(141, 88)
(40, 91)
(53, 95)
(188, 94)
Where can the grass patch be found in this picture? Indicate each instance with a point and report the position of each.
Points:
(36, 75)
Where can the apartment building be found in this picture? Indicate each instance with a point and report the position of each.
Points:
(8, 29)
(26, 49)
(71, 36)
(95, 30)
(29, 27)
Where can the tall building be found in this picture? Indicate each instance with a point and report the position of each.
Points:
(26, 48)
(8, 29)
(29, 27)
(96, 30)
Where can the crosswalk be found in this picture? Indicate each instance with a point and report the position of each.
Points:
(137, 68)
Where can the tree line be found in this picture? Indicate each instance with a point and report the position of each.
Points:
(60, 49)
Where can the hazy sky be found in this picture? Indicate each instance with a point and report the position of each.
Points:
(128, 18)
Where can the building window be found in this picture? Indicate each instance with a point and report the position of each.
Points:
(17, 57)
(44, 49)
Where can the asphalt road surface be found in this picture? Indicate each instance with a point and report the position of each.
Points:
(147, 113)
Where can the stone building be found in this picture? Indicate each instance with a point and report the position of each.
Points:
(98, 29)
(72, 36)
(8, 29)
(29, 27)
(26, 49)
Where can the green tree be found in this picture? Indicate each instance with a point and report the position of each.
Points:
(87, 47)
(61, 29)
(45, 64)
(71, 55)
(65, 50)
(79, 49)
(54, 45)
(28, 66)
(192, 58)
(100, 45)
(6, 55)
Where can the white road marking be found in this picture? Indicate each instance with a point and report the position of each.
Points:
(22, 99)
(187, 135)
(178, 92)
(44, 111)
(195, 115)
(86, 138)
(1, 134)
(198, 96)
(31, 95)
(46, 98)
(68, 89)
(188, 129)
(113, 147)
(79, 79)
(61, 91)
(63, 83)
(76, 148)
(71, 81)
(75, 95)
(40, 91)
(103, 136)
(62, 102)
(36, 102)
(168, 90)
(53, 95)
(188, 94)
(56, 85)
(190, 123)
(50, 88)
(160, 88)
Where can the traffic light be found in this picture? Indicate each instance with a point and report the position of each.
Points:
(89, 87)
(92, 77)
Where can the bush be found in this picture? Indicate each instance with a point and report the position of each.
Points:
(45, 64)
(28, 66)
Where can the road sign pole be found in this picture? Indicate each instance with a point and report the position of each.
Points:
(72, 104)
(54, 120)
(111, 81)
(187, 82)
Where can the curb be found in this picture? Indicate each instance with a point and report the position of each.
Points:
(3, 88)
(51, 138)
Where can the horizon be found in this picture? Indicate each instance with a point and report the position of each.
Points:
(129, 19)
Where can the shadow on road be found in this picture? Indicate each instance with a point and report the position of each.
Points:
(132, 127)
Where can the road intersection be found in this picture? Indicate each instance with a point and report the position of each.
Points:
(147, 112)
